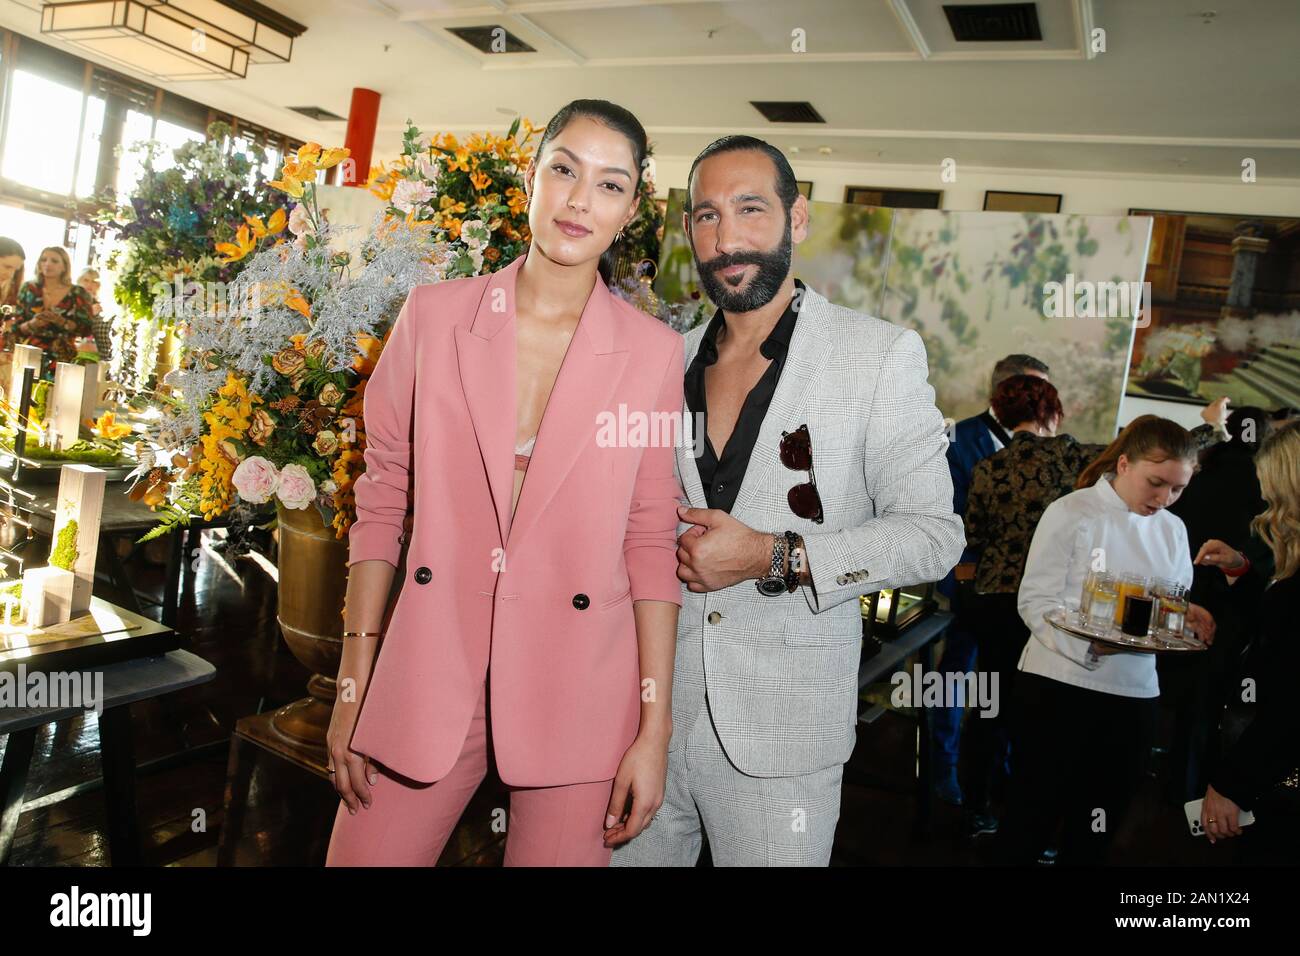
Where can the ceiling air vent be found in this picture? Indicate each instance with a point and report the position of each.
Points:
(491, 39)
(316, 113)
(775, 111)
(993, 22)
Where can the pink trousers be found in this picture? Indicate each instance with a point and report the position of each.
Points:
(408, 823)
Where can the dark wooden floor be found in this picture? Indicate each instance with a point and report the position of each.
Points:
(182, 746)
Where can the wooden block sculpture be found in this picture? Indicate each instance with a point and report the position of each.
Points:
(25, 356)
(47, 596)
(77, 514)
(66, 403)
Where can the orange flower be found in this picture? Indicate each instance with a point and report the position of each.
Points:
(460, 160)
(300, 305)
(106, 427)
(480, 180)
(244, 243)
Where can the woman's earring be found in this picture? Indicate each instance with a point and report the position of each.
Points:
(619, 236)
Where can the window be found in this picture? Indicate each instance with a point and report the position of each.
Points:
(41, 134)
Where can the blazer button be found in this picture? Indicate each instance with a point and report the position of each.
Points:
(423, 575)
(581, 601)
(841, 580)
(714, 617)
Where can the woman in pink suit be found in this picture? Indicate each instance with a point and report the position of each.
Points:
(541, 594)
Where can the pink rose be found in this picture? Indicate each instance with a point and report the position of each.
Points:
(299, 221)
(296, 489)
(255, 479)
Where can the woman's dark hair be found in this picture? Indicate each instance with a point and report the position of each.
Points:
(1026, 398)
(1146, 438)
(617, 119)
(9, 247)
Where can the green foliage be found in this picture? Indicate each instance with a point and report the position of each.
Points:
(176, 513)
(64, 554)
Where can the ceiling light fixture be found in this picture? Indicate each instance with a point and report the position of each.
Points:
(175, 39)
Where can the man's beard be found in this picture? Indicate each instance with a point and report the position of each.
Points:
(773, 267)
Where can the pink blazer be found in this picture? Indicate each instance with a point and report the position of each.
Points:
(544, 601)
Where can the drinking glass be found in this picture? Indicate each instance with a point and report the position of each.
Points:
(1102, 598)
(1134, 585)
(1171, 608)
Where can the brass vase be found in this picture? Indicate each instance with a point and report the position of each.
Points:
(313, 582)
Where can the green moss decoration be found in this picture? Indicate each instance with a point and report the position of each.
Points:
(40, 400)
(64, 554)
(83, 451)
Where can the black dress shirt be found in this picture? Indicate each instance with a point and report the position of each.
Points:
(721, 476)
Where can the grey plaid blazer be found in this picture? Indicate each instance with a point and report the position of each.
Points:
(781, 672)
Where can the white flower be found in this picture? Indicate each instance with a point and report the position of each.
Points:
(296, 489)
(474, 233)
(430, 170)
(408, 194)
(256, 479)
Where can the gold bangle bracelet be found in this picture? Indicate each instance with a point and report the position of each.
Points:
(363, 633)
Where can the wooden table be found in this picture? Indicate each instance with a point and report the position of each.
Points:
(124, 683)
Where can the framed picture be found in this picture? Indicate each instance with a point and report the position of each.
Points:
(996, 200)
(890, 198)
(805, 188)
(1224, 317)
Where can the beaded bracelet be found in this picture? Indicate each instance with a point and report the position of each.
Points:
(363, 633)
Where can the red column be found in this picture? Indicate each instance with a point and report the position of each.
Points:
(363, 116)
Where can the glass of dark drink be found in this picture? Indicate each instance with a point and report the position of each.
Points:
(1137, 615)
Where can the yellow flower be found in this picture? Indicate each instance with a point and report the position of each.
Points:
(308, 153)
(480, 180)
(274, 226)
(106, 427)
(288, 185)
(447, 205)
(244, 243)
(332, 157)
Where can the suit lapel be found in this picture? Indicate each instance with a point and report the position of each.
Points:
(588, 377)
(809, 352)
(485, 355)
(688, 471)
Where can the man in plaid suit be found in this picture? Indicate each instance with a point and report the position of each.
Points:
(821, 476)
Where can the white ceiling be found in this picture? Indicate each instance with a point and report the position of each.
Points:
(1178, 91)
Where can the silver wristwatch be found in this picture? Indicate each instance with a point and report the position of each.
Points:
(774, 583)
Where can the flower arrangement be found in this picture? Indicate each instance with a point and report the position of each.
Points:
(272, 374)
(170, 227)
(470, 197)
(272, 378)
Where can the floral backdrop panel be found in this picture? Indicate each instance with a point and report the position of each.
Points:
(976, 286)
(1226, 315)
(981, 285)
